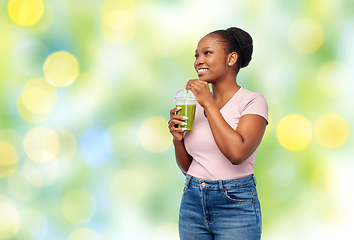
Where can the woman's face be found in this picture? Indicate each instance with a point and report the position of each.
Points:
(210, 59)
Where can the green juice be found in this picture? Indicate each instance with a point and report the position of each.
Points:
(187, 110)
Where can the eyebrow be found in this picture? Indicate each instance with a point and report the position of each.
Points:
(203, 48)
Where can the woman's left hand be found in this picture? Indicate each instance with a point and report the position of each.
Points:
(201, 91)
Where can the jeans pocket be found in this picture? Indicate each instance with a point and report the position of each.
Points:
(243, 194)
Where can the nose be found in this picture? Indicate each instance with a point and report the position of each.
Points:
(199, 61)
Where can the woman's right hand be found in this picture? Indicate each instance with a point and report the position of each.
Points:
(176, 120)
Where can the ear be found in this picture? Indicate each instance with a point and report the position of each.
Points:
(231, 59)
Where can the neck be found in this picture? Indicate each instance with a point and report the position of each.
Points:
(225, 89)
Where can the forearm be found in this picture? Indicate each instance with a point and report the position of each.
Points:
(230, 142)
(183, 159)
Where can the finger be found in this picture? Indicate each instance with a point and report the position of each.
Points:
(179, 117)
(199, 83)
(178, 130)
(174, 122)
(189, 82)
(199, 87)
(174, 110)
(195, 87)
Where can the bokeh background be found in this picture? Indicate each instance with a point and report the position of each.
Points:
(85, 92)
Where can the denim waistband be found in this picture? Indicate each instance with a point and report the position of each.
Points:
(220, 184)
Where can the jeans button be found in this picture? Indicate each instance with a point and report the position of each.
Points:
(203, 184)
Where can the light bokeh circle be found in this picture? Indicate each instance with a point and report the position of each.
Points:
(118, 21)
(306, 35)
(41, 174)
(45, 21)
(9, 220)
(34, 225)
(8, 154)
(335, 78)
(154, 134)
(25, 12)
(14, 138)
(41, 144)
(331, 130)
(21, 188)
(28, 115)
(294, 132)
(61, 69)
(78, 206)
(37, 100)
(8, 159)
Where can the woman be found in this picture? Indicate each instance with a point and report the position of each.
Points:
(220, 198)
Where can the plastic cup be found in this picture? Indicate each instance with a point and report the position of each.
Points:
(185, 100)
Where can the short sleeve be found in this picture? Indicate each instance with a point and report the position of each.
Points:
(255, 103)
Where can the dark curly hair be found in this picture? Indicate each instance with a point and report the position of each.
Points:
(239, 41)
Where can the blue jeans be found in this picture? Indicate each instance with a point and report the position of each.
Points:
(220, 210)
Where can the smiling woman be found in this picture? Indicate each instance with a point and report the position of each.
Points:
(217, 49)
(218, 156)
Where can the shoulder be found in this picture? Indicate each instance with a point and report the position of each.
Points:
(253, 103)
(249, 96)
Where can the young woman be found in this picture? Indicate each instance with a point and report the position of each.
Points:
(220, 198)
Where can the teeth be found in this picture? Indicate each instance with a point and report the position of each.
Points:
(202, 70)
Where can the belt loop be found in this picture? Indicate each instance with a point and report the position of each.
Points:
(254, 179)
(188, 180)
(221, 187)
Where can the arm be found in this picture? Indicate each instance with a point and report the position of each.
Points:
(183, 159)
(236, 145)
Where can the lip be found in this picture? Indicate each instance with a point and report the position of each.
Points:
(201, 71)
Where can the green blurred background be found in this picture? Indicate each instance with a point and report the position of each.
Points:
(85, 93)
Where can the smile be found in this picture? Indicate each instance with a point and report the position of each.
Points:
(199, 70)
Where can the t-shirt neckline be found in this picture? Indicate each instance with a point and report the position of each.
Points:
(225, 103)
(230, 99)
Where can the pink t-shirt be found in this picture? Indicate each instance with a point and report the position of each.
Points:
(208, 161)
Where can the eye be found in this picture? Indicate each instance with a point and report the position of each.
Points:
(207, 52)
(196, 55)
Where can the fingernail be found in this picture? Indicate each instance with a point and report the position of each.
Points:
(185, 118)
(184, 129)
(179, 108)
(184, 123)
